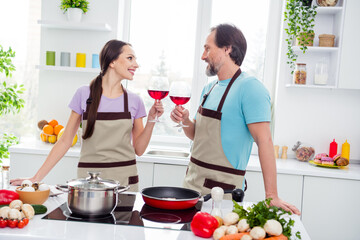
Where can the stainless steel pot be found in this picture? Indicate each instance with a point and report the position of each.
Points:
(92, 196)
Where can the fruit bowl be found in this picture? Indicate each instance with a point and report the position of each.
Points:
(37, 197)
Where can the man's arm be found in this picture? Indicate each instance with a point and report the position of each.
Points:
(262, 136)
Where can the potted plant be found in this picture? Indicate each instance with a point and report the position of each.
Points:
(10, 101)
(300, 18)
(74, 9)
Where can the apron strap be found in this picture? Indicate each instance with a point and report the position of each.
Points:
(238, 72)
(126, 105)
(207, 94)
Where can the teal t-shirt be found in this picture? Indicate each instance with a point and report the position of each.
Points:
(248, 101)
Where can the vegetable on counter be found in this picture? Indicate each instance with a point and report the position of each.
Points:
(7, 196)
(203, 224)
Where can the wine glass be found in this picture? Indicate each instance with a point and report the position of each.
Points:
(180, 93)
(158, 89)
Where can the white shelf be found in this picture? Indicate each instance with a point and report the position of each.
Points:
(68, 69)
(309, 86)
(297, 49)
(75, 25)
(329, 10)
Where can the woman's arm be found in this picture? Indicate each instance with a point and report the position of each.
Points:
(58, 150)
(141, 136)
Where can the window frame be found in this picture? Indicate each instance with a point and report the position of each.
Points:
(203, 22)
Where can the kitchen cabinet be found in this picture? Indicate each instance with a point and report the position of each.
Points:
(169, 175)
(331, 208)
(289, 188)
(350, 49)
(329, 20)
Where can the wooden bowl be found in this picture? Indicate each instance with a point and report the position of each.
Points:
(37, 197)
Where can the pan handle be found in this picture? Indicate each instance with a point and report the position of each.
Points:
(63, 188)
(237, 194)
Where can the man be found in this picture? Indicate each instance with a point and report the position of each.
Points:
(234, 112)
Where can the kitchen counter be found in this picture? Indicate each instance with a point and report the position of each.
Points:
(285, 166)
(39, 228)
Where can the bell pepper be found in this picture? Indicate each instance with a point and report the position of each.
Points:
(203, 224)
(7, 196)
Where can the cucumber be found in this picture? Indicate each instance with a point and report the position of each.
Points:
(39, 209)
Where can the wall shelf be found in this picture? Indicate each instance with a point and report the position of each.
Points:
(67, 69)
(329, 10)
(75, 25)
(297, 49)
(309, 86)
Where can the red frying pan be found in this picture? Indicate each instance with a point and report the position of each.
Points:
(176, 198)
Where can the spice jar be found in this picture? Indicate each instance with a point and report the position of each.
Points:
(300, 73)
(5, 177)
(303, 151)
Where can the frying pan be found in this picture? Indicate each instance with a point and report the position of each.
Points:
(176, 198)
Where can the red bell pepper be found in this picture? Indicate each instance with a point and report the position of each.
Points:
(203, 224)
(7, 196)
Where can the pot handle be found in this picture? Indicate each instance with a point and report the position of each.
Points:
(63, 188)
(122, 189)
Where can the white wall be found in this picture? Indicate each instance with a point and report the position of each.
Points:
(56, 88)
(316, 116)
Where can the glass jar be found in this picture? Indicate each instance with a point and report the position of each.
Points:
(300, 73)
(321, 73)
(303, 151)
(5, 177)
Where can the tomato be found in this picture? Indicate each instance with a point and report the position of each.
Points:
(13, 223)
(21, 224)
(3, 223)
(26, 221)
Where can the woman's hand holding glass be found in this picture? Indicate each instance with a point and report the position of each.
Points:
(156, 110)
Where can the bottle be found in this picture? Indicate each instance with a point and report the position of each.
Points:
(345, 150)
(217, 194)
(5, 177)
(333, 148)
(300, 73)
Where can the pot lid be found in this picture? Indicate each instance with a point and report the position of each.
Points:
(93, 182)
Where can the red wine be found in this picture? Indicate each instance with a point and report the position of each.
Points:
(179, 100)
(158, 95)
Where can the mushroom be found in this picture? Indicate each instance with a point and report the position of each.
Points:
(243, 225)
(257, 233)
(231, 218)
(231, 230)
(4, 212)
(16, 204)
(28, 189)
(28, 210)
(14, 214)
(35, 185)
(273, 227)
(246, 237)
(26, 183)
(219, 233)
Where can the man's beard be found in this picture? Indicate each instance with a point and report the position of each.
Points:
(211, 70)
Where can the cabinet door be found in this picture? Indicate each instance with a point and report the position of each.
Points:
(145, 172)
(289, 188)
(169, 175)
(350, 49)
(331, 208)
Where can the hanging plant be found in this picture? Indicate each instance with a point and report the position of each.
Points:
(300, 18)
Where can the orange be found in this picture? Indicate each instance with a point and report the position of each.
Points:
(48, 129)
(57, 129)
(53, 123)
(43, 137)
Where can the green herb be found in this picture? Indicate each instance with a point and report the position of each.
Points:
(82, 4)
(259, 213)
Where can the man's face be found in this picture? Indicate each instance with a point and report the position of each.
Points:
(213, 55)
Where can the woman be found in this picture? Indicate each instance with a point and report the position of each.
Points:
(111, 117)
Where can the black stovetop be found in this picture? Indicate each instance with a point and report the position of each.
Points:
(131, 210)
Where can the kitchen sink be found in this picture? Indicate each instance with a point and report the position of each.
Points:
(168, 153)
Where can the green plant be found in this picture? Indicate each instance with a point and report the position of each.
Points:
(82, 4)
(300, 18)
(10, 101)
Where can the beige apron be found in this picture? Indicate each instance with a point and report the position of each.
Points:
(109, 149)
(208, 166)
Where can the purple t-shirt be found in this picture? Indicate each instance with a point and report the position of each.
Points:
(136, 105)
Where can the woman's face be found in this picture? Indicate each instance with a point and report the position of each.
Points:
(125, 65)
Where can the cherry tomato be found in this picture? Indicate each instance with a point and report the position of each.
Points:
(13, 223)
(3, 223)
(21, 224)
(26, 221)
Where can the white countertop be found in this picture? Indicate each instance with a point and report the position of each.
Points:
(55, 229)
(284, 166)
